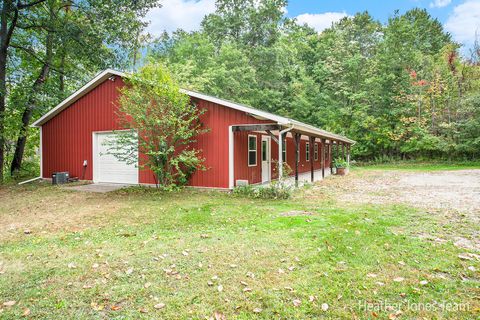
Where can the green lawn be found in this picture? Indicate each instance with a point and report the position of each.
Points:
(193, 254)
(423, 166)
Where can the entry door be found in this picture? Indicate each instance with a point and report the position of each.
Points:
(106, 167)
(266, 159)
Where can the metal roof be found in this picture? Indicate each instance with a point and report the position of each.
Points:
(287, 122)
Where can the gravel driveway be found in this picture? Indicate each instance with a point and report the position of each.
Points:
(450, 197)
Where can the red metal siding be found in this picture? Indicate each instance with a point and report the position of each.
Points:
(67, 140)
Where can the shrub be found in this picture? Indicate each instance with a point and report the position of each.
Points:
(275, 190)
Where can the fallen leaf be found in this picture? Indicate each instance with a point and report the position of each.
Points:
(424, 282)
(257, 310)
(250, 275)
(219, 316)
(233, 266)
(371, 275)
(71, 265)
(159, 306)
(27, 231)
(95, 265)
(9, 303)
(281, 271)
(147, 285)
(185, 253)
(247, 289)
(297, 302)
(398, 279)
(472, 268)
(143, 310)
(115, 308)
(291, 268)
(311, 298)
(243, 283)
(220, 288)
(289, 289)
(325, 306)
(129, 271)
(26, 312)
(210, 283)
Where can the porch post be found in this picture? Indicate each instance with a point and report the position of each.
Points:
(348, 155)
(297, 155)
(330, 151)
(312, 146)
(280, 155)
(231, 175)
(323, 157)
(343, 151)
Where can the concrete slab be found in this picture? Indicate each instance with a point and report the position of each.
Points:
(97, 187)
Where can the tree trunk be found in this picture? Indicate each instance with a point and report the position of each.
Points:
(6, 32)
(31, 104)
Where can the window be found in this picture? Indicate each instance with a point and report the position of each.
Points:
(252, 151)
(315, 152)
(307, 151)
(284, 150)
(264, 150)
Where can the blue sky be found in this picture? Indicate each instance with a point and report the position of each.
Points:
(460, 17)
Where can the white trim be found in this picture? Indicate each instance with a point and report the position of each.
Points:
(315, 152)
(256, 150)
(268, 139)
(231, 154)
(259, 114)
(40, 149)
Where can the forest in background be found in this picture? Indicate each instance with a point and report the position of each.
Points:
(402, 90)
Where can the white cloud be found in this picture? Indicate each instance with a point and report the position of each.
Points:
(320, 21)
(440, 3)
(464, 22)
(174, 14)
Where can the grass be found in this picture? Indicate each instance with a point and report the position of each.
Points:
(422, 165)
(117, 255)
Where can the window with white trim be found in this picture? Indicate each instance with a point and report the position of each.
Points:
(315, 152)
(307, 151)
(284, 150)
(252, 151)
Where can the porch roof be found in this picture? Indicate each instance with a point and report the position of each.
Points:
(259, 114)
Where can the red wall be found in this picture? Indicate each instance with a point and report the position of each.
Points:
(67, 140)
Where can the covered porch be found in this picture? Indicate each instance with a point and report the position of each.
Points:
(294, 153)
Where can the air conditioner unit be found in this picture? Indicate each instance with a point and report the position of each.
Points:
(240, 183)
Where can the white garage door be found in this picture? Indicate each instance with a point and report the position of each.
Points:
(106, 167)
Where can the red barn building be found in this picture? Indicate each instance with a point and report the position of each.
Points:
(242, 145)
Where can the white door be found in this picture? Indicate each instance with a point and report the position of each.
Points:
(266, 159)
(106, 167)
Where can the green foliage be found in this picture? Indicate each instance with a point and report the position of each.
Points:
(400, 89)
(165, 123)
(275, 190)
(340, 163)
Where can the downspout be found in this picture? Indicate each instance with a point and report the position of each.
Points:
(280, 151)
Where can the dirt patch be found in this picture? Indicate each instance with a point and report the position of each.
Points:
(44, 209)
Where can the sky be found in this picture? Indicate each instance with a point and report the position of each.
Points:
(459, 17)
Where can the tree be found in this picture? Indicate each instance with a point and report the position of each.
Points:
(58, 38)
(165, 122)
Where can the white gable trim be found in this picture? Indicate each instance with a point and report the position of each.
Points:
(102, 76)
